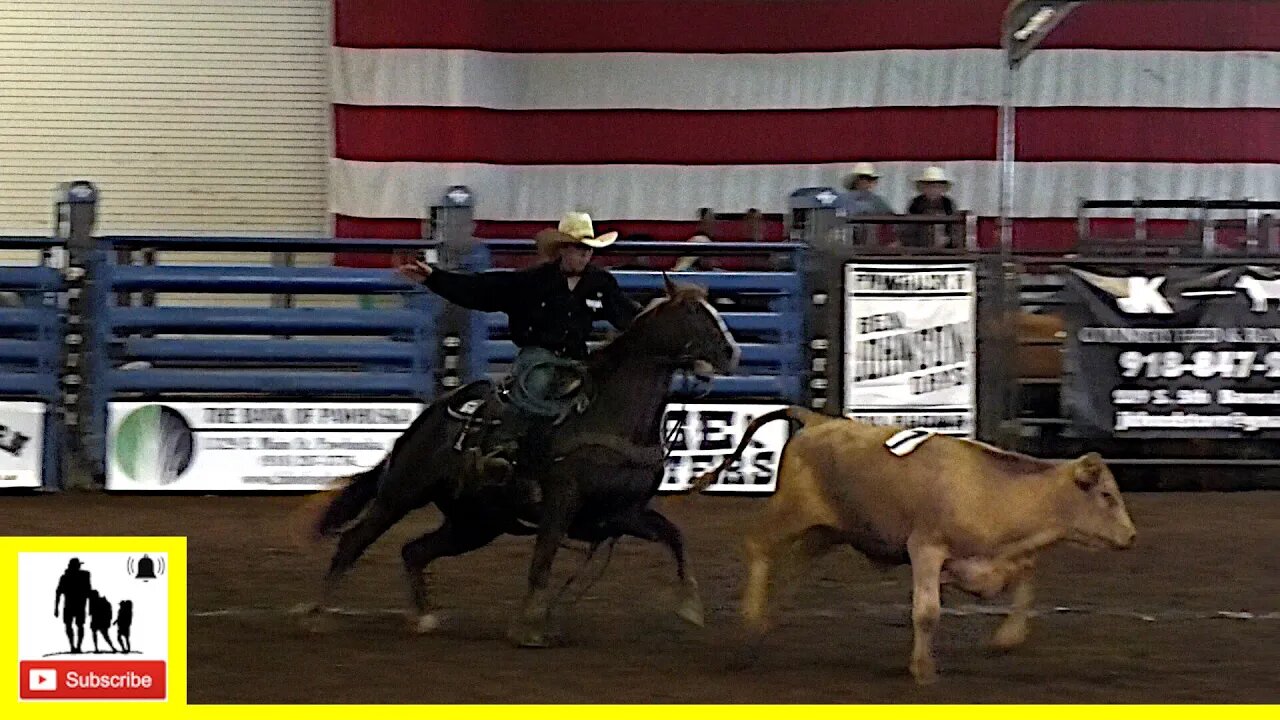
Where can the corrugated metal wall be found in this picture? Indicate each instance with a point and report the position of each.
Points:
(192, 116)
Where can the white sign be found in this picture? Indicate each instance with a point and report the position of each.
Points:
(910, 345)
(223, 446)
(21, 444)
(700, 436)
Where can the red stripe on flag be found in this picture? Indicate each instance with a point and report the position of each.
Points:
(1171, 135)
(571, 137)
(1171, 25)
(560, 137)
(667, 25)
(720, 26)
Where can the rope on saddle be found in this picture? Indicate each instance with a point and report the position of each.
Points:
(555, 404)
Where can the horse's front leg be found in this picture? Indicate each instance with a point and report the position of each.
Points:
(530, 628)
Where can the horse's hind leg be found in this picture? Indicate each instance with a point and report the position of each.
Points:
(351, 545)
(448, 540)
(654, 526)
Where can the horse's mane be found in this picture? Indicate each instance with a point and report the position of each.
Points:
(612, 351)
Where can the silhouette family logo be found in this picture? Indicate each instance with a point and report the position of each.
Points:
(92, 626)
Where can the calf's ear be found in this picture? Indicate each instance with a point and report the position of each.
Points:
(669, 286)
(1088, 470)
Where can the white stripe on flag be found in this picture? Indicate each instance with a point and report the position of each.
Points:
(801, 81)
(674, 192)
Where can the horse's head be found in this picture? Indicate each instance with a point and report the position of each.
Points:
(682, 329)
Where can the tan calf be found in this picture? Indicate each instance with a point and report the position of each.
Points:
(959, 512)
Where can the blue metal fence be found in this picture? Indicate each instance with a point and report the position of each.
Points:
(289, 352)
(31, 352)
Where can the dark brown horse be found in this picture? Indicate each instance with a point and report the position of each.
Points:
(607, 464)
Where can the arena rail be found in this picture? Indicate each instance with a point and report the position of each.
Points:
(31, 364)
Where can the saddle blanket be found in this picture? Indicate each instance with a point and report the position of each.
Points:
(904, 442)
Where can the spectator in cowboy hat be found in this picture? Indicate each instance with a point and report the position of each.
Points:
(932, 186)
(863, 200)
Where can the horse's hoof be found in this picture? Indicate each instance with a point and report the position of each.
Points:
(691, 610)
(317, 623)
(424, 624)
(305, 608)
(527, 636)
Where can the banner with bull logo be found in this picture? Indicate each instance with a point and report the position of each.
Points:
(1186, 351)
(909, 345)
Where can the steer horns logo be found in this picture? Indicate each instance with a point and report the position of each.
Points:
(1141, 295)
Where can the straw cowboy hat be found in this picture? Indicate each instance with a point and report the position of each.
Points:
(574, 229)
(934, 174)
(861, 169)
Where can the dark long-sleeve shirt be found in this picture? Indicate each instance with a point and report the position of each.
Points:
(542, 310)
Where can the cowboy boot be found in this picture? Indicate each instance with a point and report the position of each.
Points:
(495, 467)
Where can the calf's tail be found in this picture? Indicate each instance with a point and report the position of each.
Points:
(804, 416)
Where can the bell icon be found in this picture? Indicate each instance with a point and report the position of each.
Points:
(146, 569)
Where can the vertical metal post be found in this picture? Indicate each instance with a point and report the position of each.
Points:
(460, 355)
(1208, 233)
(79, 406)
(1082, 224)
(1008, 150)
(1250, 228)
(280, 260)
(1139, 222)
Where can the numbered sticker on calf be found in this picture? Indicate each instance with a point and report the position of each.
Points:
(907, 440)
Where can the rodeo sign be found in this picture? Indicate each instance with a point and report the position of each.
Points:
(1191, 352)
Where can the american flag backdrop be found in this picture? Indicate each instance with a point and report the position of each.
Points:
(642, 111)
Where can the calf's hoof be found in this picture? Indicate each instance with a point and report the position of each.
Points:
(924, 671)
(1009, 636)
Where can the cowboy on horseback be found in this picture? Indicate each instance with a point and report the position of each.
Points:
(551, 308)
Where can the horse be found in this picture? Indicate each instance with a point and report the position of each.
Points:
(605, 466)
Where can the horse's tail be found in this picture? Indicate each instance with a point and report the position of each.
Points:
(329, 511)
(802, 415)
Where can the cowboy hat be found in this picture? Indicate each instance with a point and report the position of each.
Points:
(859, 170)
(574, 229)
(933, 174)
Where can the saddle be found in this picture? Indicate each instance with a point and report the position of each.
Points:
(484, 407)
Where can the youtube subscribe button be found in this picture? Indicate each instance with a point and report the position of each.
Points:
(92, 680)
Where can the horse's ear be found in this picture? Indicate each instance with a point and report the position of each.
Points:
(671, 287)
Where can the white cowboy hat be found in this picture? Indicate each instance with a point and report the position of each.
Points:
(861, 169)
(575, 228)
(933, 174)
(688, 261)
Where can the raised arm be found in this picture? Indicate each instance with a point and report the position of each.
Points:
(491, 291)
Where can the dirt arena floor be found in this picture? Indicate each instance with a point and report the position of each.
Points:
(1136, 626)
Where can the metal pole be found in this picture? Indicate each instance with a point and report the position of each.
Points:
(82, 420)
(1008, 138)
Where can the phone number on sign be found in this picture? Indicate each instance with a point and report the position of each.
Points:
(1202, 364)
